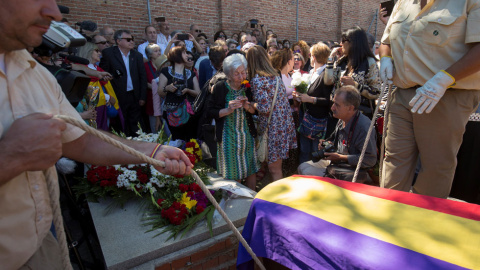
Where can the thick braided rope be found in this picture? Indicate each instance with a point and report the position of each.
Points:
(384, 134)
(369, 133)
(52, 183)
(155, 162)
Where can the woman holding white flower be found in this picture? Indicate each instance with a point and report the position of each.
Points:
(315, 103)
(230, 105)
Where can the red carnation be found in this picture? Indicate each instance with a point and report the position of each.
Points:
(183, 187)
(247, 85)
(189, 144)
(159, 201)
(200, 209)
(195, 187)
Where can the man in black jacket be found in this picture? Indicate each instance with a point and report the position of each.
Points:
(130, 79)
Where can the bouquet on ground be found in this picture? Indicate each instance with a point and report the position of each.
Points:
(174, 202)
(300, 82)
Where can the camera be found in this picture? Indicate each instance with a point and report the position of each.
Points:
(180, 88)
(183, 37)
(253, 23)
(320, 154)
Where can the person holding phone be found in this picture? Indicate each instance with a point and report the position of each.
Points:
(430, 50)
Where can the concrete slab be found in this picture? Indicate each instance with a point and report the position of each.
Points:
(126, 245)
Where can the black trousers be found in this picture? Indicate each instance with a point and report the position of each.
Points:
(132, 113)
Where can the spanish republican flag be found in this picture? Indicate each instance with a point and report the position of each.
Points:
(307, 222)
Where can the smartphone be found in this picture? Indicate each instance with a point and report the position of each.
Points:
(160, 19)
(183, 37)
(388, 5)
(253, 23)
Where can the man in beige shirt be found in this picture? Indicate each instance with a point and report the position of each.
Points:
(31, 141)
(433, 47)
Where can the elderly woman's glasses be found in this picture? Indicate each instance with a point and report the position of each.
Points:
(296, 59)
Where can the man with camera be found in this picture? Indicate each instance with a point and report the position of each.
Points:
(338, 156)
(32, 140)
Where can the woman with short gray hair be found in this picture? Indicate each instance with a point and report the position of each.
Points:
(152, 106)
(235, 131)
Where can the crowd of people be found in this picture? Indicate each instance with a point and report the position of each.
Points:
(234, 88)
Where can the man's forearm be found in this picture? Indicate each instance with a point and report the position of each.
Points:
(92, 150)
(467, 65)
(385, 50)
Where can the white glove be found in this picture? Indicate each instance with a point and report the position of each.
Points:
(430, 93)
(386, 69)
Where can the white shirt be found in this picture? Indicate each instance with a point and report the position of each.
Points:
(141, 49)
(188, 45)
(161, 39)
(127, 66)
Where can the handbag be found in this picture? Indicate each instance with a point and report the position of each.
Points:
(311, 127)
(262, 145)
(180, 115)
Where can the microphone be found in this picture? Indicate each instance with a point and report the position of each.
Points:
(75, 59)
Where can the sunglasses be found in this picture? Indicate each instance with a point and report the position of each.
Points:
(198, 30)
(128, 39)
(222, 36)
(189, 59)
(345, 40)
(101, 42)
(97, 50)
(296, 59)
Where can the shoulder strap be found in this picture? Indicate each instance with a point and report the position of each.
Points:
(273, 103)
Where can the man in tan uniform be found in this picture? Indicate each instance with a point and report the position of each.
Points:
(31, 140)
(431, 51)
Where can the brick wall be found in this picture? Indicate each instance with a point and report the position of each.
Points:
(318, 20)
(221, 255)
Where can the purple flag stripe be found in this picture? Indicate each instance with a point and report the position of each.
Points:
(301, 241)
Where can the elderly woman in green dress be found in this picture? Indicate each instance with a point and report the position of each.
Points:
(230, 105)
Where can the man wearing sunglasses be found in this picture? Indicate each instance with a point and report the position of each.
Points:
(194, 32)
(101, 42)
(129, 78)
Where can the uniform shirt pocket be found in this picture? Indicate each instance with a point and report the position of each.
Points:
(440, 29)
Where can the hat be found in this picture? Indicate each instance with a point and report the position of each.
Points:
(162, 59)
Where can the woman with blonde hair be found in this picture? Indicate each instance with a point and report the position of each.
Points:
(303, 48)
(265, 82)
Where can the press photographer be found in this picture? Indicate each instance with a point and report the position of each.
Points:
(338, 156)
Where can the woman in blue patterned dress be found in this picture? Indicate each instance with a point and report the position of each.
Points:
(281, 129)
(230, 105)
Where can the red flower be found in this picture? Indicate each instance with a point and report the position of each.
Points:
(159, 201)
(247, 85)
(178, 176)
(190, 144)
(104, 183)
(183, 187)
(190, 194)
(195, 187)
(200, 209)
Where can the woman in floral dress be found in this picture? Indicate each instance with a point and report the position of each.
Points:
(230, 105)
(281, 130)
